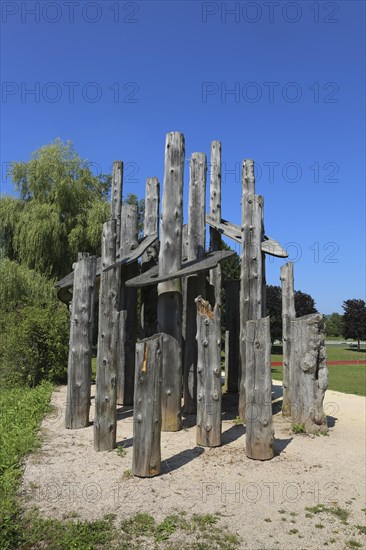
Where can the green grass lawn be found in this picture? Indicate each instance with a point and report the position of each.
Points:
(343, 378)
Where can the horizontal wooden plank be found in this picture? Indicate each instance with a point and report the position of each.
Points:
(68, 280)
(233, 231)
(151, 277)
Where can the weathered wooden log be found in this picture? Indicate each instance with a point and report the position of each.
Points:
(106, 378)
(250, 276)
(149, 295)
(215, 213)
(232, 355)
(146, 458)
(196, 284)
(208, 432)
(258, 384)
(308, 373)
(288, 315)
(169, 293)
(116, 198)
(80, 344)
(127, 304)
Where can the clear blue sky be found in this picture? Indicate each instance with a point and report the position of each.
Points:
(114, 77)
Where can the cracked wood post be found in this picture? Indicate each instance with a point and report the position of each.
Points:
(232, 323)
(149, 295)
(251, 277)
(215, 211)
(116, 198)
(169, 293)
(146, 458)
(128, 309)
(258, 387)
(196, 283)
(208, 432)
(106, 380)
(80, 344)
(288, 315)
(309, 373)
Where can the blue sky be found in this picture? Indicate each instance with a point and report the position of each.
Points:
(280, 82)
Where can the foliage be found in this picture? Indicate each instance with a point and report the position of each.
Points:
(274, 310)
(60, 211)
(304, 304)
(21, 412)
(334, 325)
(354, 319)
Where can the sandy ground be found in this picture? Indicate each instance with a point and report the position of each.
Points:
(261, 501)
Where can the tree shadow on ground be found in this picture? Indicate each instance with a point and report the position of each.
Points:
(124, 411)
(232, 434)
(126, 443)
(281, 444)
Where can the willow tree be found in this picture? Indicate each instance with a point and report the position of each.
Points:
(60, 210)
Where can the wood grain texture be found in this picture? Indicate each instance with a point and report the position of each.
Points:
(80, 344)
(169, 293)
(215, 213)
(258, 387)
(288, 315)
(116, 198)
(196, 284)
(146, 458)
(208, 432)
(309, 373)
(106, 377)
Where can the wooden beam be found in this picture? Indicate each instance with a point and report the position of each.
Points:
(106, 379)
(80, 345)
(169, 292)
(288, 315)
(152, 276)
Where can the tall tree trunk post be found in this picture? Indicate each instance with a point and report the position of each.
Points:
(251, 278)
(309, 373)
(116, 199)
(258, 382)
(196, 283)
(149, 295)
(215, 211)
(81, 341)
(232, 355)
(169, 293)
(288, 315)
(127, 308)
(209, 375)
(105, 420)
(147, 410)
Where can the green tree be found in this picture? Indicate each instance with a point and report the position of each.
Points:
(274, 310)
(304, 304)
(334, 325)
(60, 211)
(354, 319)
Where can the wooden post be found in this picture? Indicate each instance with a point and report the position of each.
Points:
(258, 384)
(149, 295)
(308, 373)
(209, 375)
(81, 340)
(147, 410)
(106, 379)
(288, 315)
(116, 198)
(196, 283)
(215, 211)
(169, 293)
(232, 355)
(128, 309)
(251, 273)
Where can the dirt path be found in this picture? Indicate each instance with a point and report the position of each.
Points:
(264, 502)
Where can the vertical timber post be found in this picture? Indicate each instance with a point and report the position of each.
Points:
(196, 283)
(116, 199)
(288, 315)
(251, 278)
(208, 432)
(232, 355)
(106, 379)
(169, 293)
(149, 295)
(146, 458)
(215, 211)
(128, 309)
(258, 382)
(80, 345)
